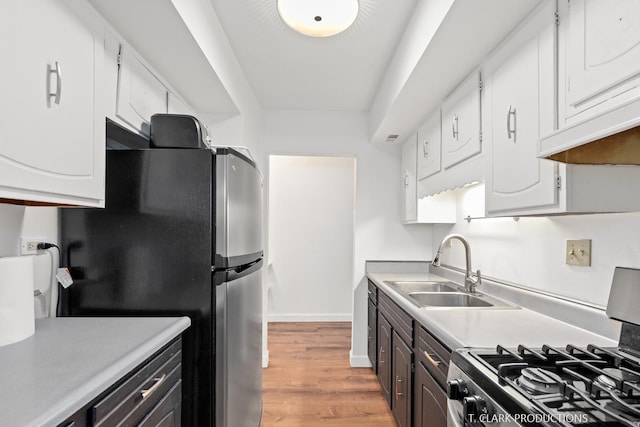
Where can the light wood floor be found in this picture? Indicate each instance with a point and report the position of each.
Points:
(309, 381)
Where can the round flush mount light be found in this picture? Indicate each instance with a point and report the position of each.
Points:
(318, 18)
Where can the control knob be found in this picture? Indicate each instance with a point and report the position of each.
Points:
(457, 389)
(473, 407)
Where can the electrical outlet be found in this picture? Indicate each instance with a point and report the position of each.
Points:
(29, 245)
(579, 252)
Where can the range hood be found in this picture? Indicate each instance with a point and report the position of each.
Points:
(610, 138)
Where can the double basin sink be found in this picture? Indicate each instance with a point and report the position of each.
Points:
(433, 294)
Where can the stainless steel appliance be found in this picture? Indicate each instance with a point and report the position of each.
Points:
(180, 236)
(547, 386)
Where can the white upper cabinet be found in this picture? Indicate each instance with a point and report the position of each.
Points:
(602, 51)
(140, 93)
(461, 138)
(599, 74)
(519, 105)
(439, 208)
(429, 147)
(52, 131)
(409, 183)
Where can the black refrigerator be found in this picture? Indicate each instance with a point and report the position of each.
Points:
(180, 236)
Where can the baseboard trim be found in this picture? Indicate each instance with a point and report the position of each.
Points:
(358, 361)
(310, 317)
(265, 359)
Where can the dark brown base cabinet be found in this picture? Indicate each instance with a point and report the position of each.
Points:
(150, 396)
(402, 362)
(411, 364)
(372, 328)
(430, 401)
(384, 356)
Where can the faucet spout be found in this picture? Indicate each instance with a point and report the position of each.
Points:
(470, 282)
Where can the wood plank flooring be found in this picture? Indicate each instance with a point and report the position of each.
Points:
(309, 381)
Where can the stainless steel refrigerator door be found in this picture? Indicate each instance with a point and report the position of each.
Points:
(239, 352)
(238, 210)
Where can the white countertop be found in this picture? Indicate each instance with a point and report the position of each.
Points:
(71, 360)
(488, 327)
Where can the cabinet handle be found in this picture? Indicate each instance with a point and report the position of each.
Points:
(430, 358)
(425, 149)
(454, 127)
(146, 393)
(380, 359)
(369, 334)
(58, 93)
(398, 383)
(511, 125)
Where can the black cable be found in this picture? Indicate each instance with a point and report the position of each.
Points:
(44, 245)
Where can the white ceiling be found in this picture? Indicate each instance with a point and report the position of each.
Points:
(288, 70)
(397, 62)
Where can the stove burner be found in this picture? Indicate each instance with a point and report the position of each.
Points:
(615, 376)
(539, 381)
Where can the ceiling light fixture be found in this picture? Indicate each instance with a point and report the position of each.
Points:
(318, 18)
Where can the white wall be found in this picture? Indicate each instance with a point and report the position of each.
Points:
(311, 214)
(379, 233)
(207, 31)
(531, 251)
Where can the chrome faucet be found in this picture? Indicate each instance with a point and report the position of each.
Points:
(470, 282)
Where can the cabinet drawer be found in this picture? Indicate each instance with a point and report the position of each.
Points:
(167, 412)
(401, 322)
(134, 398)
(372, 290)
(434, 356)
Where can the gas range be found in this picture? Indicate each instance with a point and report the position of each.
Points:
(548, 386)
(554, 386)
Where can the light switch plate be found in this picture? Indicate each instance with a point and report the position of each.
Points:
(579, 252)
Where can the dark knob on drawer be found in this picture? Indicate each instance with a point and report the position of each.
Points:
(473, 407)
(457, 389)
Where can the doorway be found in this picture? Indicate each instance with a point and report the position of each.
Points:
(311, 238)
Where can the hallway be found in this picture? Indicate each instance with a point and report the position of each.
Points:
(309, 381)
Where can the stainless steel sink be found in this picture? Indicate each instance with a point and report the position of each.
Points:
(426, 286)
(449, 300)
(433, 294)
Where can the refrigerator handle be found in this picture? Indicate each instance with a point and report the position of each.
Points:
(223, 276)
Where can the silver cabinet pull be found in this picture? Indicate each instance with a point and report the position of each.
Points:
(380, 359)
(58, 93)
(425, 149)
(511, 124)
(158, 382)
(398, 383)
(430, 358)
(454, 126)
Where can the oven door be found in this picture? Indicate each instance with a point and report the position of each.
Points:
(454, 419)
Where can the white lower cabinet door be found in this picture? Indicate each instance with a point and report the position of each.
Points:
(51, 126)
(517, 95)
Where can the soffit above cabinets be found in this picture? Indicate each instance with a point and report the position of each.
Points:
(157, 31)
(467, 31)
(397, 62)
